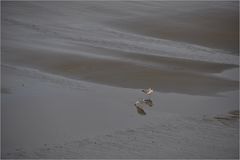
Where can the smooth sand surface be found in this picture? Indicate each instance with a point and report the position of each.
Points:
(72, 71)
(56, 117)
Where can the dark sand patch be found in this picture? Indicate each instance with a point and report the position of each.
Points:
(214, 27)
(122, 73)
(5, 90)
(230, 119)
(235, 113)
(169, 63)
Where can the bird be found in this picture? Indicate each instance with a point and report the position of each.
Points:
(141, 102)
(138, 103)
(148, 91)
(139, 106)
(149, 102)
(140, 110)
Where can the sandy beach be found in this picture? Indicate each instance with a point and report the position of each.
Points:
(72, 71)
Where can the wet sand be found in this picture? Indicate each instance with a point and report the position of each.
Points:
(72, 71)
(195, 22)
(170, 75)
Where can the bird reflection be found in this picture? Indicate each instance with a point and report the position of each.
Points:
(140, 111)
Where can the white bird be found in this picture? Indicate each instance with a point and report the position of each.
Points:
(148, 91)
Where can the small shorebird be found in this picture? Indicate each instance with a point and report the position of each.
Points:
(149, 102)
(143, 101)
(138, 105)
(148, 91)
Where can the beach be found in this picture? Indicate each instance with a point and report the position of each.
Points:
(72, 71)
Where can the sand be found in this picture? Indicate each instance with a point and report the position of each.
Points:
(193, 22)
(72, 71)
(77, 119)
(163, 74)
